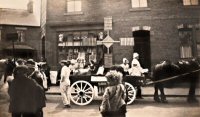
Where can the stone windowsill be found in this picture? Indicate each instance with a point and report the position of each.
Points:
(140, 9)
(74, 13)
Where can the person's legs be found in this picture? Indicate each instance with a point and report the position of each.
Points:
(156, 96)
(63, 89)
(39, 113)
(139, 93)
(68, 95)
(162, 93)
(191, 96)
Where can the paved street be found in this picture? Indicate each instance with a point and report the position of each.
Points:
(177, 106)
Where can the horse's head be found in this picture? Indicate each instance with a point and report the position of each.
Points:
(188, 65)
(194, 64)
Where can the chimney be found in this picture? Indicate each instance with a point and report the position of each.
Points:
(30, 6)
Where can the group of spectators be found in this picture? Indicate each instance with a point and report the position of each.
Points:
(27, 83)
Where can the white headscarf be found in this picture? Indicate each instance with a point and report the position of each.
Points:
(135, 55)
(124, 59)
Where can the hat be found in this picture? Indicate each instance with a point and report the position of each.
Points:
(73, 61)
(63, 61)
(21, 69)
(30, 63)
(124, 59)
(135, 55)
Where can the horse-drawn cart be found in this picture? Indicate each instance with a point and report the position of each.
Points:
(85, 88)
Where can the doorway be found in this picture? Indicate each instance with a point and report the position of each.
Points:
(142, 47)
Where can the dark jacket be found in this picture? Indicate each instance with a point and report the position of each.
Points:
(26, 96)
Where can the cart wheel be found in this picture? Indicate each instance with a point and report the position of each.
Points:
(82, 93)
(131, 92)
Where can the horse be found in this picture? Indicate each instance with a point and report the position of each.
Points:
(183, 70)
(192, 68)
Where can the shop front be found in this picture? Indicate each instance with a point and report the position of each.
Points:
(20, 51)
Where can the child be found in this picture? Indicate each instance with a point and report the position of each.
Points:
(113, 103)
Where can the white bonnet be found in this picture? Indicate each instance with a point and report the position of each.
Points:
(135, 55)
(124, 59)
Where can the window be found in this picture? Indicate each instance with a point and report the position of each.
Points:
(21, 36)
(185, 43)
(78, 44)
(74, 5)
(21, 33)
(190, 2)
(139, 3)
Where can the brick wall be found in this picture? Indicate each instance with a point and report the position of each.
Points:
(162, 16)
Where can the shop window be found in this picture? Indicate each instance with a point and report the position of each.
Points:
(190, 2)
(80, 44)
(74, 6)
(21, 35)
(138, 3)
(185, 43)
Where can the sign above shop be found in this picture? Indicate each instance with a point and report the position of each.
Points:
(108, 23)
(127, 41)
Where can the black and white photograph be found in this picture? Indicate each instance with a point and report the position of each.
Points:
(99, 58)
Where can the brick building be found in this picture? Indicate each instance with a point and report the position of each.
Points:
(161, 29)
(20, 21)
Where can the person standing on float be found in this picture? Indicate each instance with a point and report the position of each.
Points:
(137, 70)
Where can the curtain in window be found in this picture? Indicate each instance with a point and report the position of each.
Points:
(185, 52)
(190, 2)
(185, 37)
(194, 2)
(186, 2)
(21, 36)
(143, 3)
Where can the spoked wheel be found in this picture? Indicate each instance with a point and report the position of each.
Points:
(131, 92)
(82, 93)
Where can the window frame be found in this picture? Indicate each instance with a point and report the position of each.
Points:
(139, 4)
(74, 7)
(139, 9)
(21, 36)
(187, 48)
(190, 3)
(21, 31)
